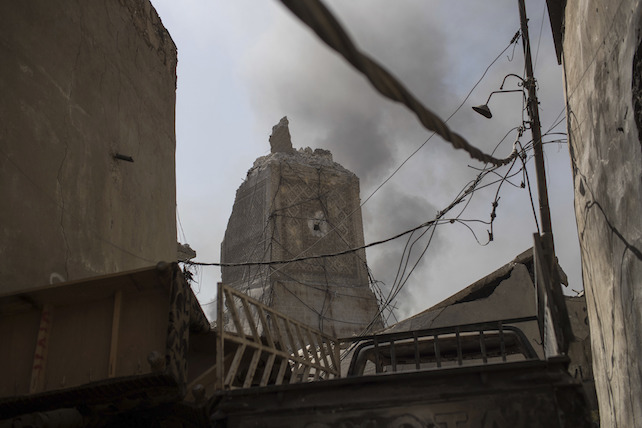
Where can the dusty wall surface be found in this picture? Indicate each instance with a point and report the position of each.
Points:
(297, 204)
(80, 82)
(602, 59)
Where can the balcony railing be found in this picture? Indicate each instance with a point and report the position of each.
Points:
(479, 343)
(270, 347)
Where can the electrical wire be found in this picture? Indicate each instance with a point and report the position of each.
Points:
(512, 42)
(403, 278)
(470, 189)
(316, 16)
(318, 195)
(405, 254)
(395, 290)
(315, 257)
(400, 283)
(539, 38)
(180, 225)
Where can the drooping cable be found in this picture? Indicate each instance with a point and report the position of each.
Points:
(314, 14)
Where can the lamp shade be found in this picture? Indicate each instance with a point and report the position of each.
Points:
(483, 110)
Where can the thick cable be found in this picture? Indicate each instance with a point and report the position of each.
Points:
(314, 14)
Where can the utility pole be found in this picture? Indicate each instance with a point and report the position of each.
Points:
(556, 302)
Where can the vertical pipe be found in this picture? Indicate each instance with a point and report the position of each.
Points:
(501, 341)
(416, 342)
(220, 321)
(378, 368)
(38, 367)
(482, 346)
(459, 356)
(393, 356)
(115, 327)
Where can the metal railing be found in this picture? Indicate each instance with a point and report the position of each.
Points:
(270, 348)
(478, 342)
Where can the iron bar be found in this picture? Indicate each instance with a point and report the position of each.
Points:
(416, 342)
(502, 345)
(459, 356)
(393, 356)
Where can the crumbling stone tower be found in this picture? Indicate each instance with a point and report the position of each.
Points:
(299, 203)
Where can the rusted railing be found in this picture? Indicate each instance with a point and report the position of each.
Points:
(270, 347)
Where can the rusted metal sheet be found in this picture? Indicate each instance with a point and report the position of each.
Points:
(97, 340)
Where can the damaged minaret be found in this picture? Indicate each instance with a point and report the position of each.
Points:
(299, 203)
(280, 140)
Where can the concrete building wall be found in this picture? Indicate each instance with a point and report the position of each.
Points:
(297, 204)
(80, 82)
(602, 58)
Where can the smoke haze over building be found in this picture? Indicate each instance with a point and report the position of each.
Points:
(242, 66)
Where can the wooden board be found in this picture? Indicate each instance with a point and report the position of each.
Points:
(81, 333)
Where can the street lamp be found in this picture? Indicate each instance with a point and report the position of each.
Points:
(484, 110)
(559, 314)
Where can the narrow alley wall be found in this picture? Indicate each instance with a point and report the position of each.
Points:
(603, 69)
(81, 83)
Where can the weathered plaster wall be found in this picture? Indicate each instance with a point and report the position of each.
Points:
(297, 204)
(600, 43)
(80, 82)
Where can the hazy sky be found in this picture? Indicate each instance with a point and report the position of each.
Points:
(243, 65)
